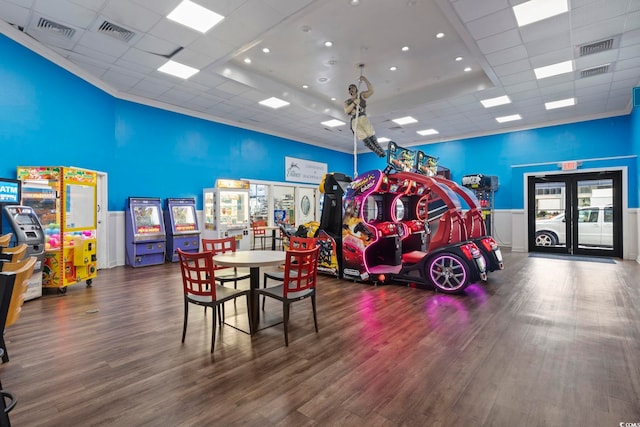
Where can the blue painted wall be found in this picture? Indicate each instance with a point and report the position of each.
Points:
(50, 117)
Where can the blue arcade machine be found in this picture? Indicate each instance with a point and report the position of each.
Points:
(146, 239)
(182, 226)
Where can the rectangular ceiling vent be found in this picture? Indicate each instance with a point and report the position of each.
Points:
(599, 46)
(55, 28)
(116, 31)
(594, 71)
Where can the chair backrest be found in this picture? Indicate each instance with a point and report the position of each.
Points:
(300, 271)
(296, 242)
(23, 272)
(474, 224)
(198, 275)
(5, 239)
(258, 227)
(15, 253)
(219, 246)
(451, 229)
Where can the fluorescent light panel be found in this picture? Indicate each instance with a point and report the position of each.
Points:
(511, 118)
(537, 10)
(195, 16)
(273, 102)
(493, 102)
(333, 123)
(405, 120)
(383, 139)
(560, 104)
(177, 69)
(426, 132)
(554, 69)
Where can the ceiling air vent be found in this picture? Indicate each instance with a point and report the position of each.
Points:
(599, 46)
(594, 71)
(115, 31)
(55, 28)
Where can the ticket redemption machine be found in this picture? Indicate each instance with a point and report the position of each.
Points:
(484, 187)
(146, 239)
(182, 227)
(64, 199)
(226, 212)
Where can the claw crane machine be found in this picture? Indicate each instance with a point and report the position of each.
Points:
(64, 199)
(226, 212)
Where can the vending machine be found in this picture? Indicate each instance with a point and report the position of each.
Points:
(64, 200)
(146, 239)
(182, 227)
(226, 212)
(23, 223)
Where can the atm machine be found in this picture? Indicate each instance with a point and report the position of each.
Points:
(26, 228)
(146, 239)
(182, 227)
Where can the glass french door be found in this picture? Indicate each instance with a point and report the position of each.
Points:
(576, 213)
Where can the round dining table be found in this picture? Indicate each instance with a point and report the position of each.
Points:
(252, 260)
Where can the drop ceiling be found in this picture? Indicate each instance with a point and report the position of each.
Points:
(118, 45)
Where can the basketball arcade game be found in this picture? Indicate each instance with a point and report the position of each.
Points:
(181, 225)
(64, 199)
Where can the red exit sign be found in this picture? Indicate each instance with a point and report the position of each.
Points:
(569, 166)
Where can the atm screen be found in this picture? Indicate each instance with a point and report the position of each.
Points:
(24, 219)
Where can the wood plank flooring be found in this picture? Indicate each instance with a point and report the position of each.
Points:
(545, 342)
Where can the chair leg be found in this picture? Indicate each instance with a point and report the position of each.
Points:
(285, 321)
(5, 354)
(213, 328)
(251, 325)
(186, 316)
(315, 318)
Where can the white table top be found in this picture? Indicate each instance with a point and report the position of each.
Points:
(250, 258)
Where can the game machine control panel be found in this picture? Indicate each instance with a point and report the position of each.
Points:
(181, 225)
(146, 239)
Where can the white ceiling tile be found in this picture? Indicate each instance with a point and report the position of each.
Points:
(495, 23)
(500, 41)
(469, 10)
(506, 56)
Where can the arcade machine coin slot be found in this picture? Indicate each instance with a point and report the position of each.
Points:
(181, 224)
(146, 239)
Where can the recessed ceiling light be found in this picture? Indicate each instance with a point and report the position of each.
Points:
(266, 50)
(559, 104)
(177, 69)
(305, 86)
(510, 118)
(328, 43)
(195, 16)
(247, 60)
(383, 139)
(427, 132)
(354, 2)
(537, 10)
(439, 35)
(467, 69)
(394, 68)
(273, 102)
(333, 98)
(458, 58)
(333, 123)
(405, 120)
(554, 69)
(405, 48)
(493, 102)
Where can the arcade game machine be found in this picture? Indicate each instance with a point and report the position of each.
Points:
(329, 232)
(146, 239)
(484, 188)
(226, 212)
(26, 229)
(64, 199)
(182, 227)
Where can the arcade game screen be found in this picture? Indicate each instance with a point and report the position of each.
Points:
(184, 218)
(426, 165)
(233, 207)
(401, 159)
(147, 219)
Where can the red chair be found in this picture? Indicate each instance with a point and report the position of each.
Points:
(259, 232)
(300, 276)
(200, 288)
(294, 243)
(224, 274)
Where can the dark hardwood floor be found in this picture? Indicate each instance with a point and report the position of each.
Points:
(545, 342)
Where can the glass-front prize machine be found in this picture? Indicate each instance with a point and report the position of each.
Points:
(182, 227)
(146, 239)
(64, 199)
(226, 212)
